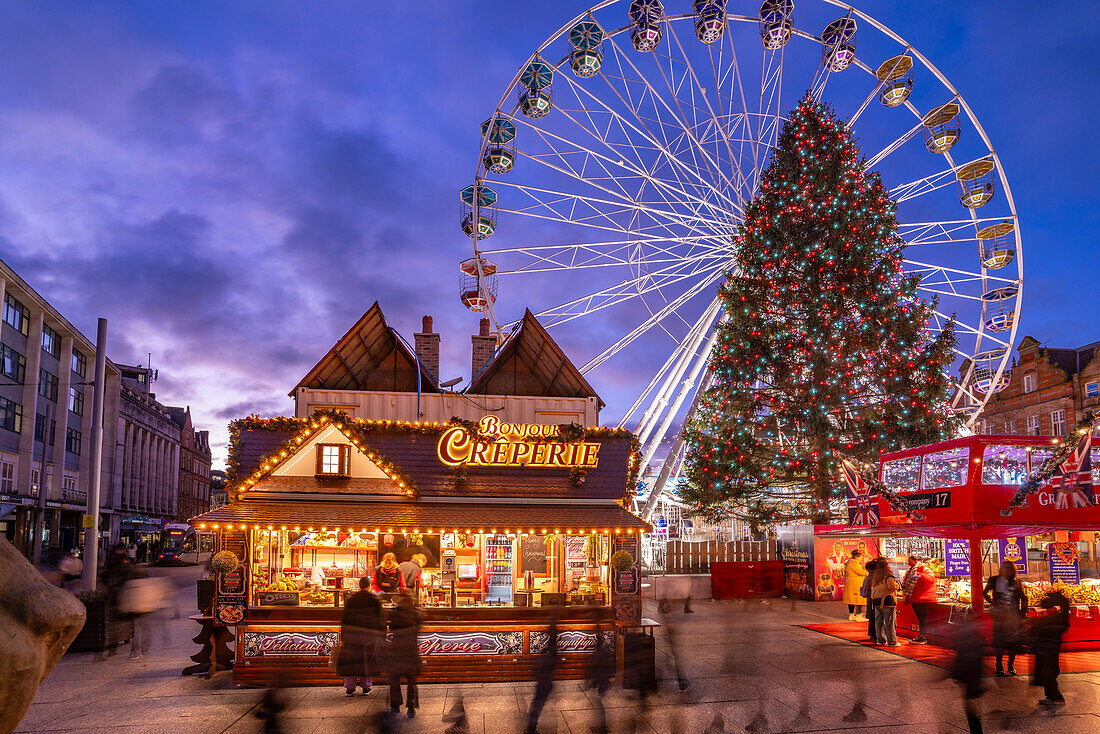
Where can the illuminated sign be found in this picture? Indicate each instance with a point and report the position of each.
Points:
(288, 644)
(514, 444)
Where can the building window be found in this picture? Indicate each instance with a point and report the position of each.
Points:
(72, 441)
(334, 460)
(51, 342)
(76, 401)
(1010, 428)
(1029, 382)
(7, 477)
(1092, 389)
(80, 364)
(40, 428)
(1058, 422)
(989, 429)
(47, 384)
(16, 315)
(13, 365)
(11, 415)
(1033, 425)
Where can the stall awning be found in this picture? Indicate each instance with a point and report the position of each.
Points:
(425, 516)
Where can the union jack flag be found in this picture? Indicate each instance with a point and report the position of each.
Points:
(862, 507)
(1072, 481)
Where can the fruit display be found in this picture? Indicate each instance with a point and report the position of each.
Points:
(316, 597)
(1083, 593)
(284, 585)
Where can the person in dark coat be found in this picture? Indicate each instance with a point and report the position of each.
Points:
(545, 668)
(360, 632)
(1007, 606)
(1046, 641)
(601, 671)
(966, 668)
(403, 654)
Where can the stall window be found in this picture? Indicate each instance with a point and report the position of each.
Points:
(333, 460)
(902, 474)
(946, 468)
(1004, 465)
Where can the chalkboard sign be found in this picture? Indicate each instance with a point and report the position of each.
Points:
(533, 553)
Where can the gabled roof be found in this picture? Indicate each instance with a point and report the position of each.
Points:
(531, 363)
(1070, 361)
(370, 356)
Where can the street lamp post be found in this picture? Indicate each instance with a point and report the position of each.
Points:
(91, 535)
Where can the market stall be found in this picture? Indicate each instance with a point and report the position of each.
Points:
(511, 526)
(956, 491)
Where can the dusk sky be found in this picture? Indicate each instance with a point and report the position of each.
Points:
(232, 184)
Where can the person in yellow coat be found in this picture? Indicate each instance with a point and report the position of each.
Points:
(854, 573)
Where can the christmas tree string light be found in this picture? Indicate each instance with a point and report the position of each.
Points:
(825, 350)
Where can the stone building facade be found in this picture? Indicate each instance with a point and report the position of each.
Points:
(1048, 393)
(194, 467)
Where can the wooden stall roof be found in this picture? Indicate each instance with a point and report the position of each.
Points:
(370, 356)
(416, 455)
(409, 514)
(530, 362)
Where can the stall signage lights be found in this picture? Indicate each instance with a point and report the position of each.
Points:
(514, 444)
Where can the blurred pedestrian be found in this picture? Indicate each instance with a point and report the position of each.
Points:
(1007, 606)
(884, 599)
(270, 710)
(672, 629)
(140, 598)
(403, 655)
(1046, 641)
(601, 671)
(361, 625)
(854, 573)
(456, 717)
(966, 668)
(545, 667)
(919, 590)
(71, 568)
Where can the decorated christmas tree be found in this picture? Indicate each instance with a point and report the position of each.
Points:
(824, 350)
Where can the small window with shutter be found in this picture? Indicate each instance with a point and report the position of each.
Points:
(333, 460)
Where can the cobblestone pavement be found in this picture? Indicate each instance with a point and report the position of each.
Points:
(749, 668)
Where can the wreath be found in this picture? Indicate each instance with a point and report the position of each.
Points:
(225, 562)
(1067, 553)
(622, 561)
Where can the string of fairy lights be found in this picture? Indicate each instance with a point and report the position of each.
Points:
(826, 348)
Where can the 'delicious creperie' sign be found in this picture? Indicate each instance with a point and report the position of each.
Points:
(515, 444)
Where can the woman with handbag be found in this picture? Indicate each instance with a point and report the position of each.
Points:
(361, 626)
(884, 597)
(1007, 606)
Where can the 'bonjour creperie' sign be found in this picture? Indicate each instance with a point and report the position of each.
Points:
(515, 444)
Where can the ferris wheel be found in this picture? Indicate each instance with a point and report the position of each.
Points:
(612, 176)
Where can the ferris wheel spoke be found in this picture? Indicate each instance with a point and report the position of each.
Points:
(596, 210)
(650, 322)
(571, 262)
(930, 183)
(609, 251)
(714, 170)
(687, 191)
(947, 273)
(721, 132)
(624, 291)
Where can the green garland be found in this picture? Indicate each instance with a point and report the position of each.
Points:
(1046, 470)
(868, 475)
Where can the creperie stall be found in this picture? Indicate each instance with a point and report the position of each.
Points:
(513, 524)
(956, 490)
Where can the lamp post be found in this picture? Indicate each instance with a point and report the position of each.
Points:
(91, 535)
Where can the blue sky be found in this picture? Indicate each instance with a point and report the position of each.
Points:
(233, 183)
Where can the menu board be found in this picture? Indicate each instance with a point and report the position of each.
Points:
(626, 582)
(231, 601)
(533, 554)
(1065, 566)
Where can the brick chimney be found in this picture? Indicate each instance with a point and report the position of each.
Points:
(427, 347)
(484, 344)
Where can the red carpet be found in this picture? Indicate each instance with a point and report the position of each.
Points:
(1070, 662)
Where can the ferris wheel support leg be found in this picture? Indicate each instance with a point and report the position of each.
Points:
(701, 361)
(690, 347)
(677, 446)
